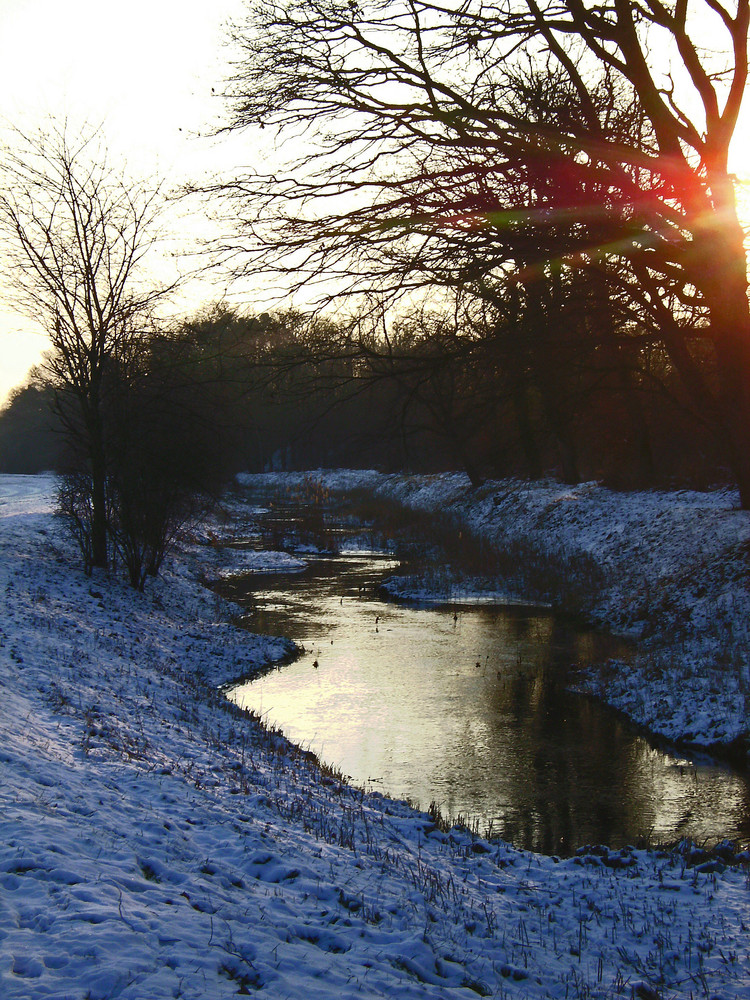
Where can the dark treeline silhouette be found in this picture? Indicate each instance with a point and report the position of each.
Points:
(548, 381)
(30, 432)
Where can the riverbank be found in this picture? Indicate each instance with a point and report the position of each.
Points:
(671, 570)
(155, 842)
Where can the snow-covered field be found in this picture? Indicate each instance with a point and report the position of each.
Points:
(156, 843)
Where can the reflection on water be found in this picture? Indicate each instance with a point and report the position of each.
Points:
(464, 707)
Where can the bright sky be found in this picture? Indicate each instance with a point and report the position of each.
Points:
(144, 69)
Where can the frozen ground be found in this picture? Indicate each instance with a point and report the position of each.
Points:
(156, 843)
(670, 569)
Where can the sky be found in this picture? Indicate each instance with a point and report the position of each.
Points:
(144, 71)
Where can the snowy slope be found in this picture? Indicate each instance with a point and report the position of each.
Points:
(156, 843)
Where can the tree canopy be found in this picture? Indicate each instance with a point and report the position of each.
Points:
(479, 146)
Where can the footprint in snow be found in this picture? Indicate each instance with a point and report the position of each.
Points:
(27, 967)
(268, 868)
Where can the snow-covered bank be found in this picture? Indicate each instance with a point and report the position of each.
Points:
(155, 843)
(672, 569)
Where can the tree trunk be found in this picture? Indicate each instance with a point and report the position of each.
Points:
(644, 455)
(99, 539)
(99, 544)
(723, 281)
(558, 417)
(732, 339)
(526, 432)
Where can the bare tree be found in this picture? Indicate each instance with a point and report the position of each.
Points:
(75, 230)
(409, 122)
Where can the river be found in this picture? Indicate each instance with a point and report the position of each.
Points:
(464, 706)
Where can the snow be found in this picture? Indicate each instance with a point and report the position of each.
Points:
(155, 842)
(244, 562)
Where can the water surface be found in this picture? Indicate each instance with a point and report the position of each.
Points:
(465, 706)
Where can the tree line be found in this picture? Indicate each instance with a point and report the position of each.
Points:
(288, 390)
